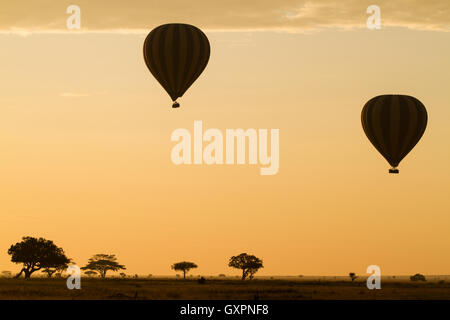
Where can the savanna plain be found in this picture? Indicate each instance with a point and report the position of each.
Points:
(271, 288)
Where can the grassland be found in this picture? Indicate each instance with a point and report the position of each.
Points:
(215, 288)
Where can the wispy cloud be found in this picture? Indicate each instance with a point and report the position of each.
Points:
(138, 16)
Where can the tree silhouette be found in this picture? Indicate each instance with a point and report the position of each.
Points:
(251, 272)
(59, 269)
(352, 276)
(36, 254)
(418, 277)
(102, 263)
(249, 264)
(184, 266)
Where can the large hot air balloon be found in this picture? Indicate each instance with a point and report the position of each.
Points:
(176, 54)
(394, 124)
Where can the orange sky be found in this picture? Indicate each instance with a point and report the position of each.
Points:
(85, 149)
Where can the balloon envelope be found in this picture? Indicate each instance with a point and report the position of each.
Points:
(394, 124)
(176, 54)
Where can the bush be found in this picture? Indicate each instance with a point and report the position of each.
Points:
(201, 280)
(6, 274)
(418, 277)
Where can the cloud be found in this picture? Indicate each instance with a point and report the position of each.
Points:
(139, 16)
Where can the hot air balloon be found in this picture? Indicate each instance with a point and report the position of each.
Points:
(176, 54)
(394, 124)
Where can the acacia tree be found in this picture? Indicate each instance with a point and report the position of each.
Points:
(184, 266)
(36, 254)
(249, 264)
(102, 263)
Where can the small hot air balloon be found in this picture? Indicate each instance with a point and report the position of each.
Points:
(176, 54)
(394, 124)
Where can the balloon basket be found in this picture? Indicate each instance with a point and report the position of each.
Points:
(393, 170)
(175, 105)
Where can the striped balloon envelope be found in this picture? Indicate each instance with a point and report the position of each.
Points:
(394, 124)
(176, 54)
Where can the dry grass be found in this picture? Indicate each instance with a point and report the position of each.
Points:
(168, 289)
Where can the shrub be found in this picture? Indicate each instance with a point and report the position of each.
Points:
(201, 280)
(418, 277)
